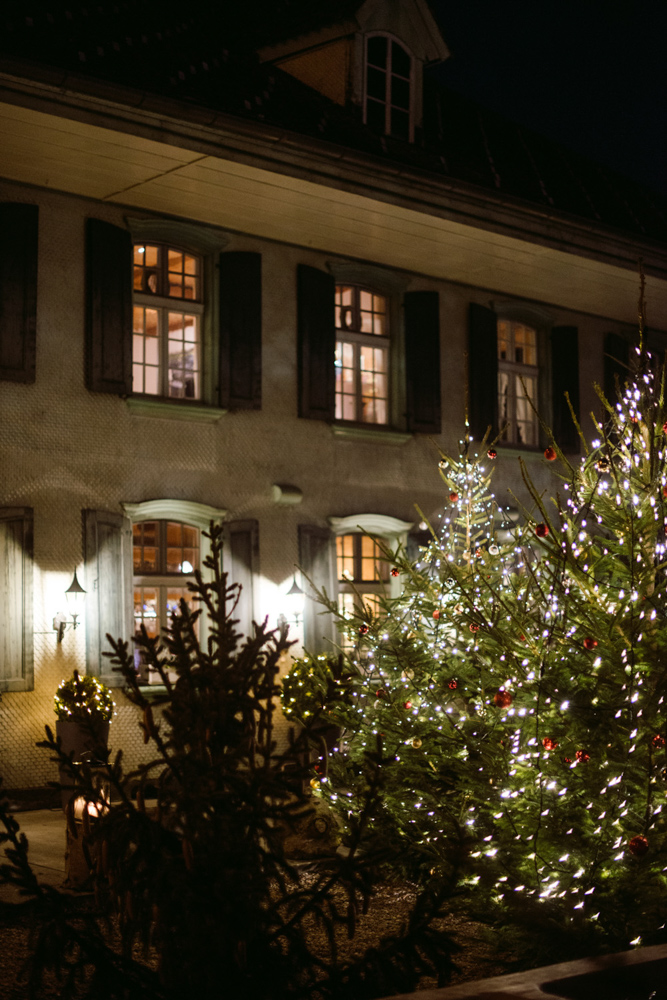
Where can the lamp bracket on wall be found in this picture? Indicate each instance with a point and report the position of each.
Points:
(75, 595)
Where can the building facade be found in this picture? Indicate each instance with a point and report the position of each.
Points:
(268, 307)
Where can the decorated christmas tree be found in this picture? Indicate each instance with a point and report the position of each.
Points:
(518, 684)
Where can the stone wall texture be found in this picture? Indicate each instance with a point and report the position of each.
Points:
(63, 449)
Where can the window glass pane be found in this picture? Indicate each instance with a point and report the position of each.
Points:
(144, 349)
(365, 300)
(174, 533)
(345, 557)
(146, 271)
(190, 536)
(400, 60)
(183, 356)
(174, 560)
(376, 84)
(400, 93)
(190, 265)
(376, 115)
(151, 381)
(146, 610)
(349, 408)
(366, 322)
(376, 51)
(373, 565)
(144, 547)
(174, 597)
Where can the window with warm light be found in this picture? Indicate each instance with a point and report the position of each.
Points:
(362, 572)
(517, 383)
(165, 556)
(362, 355)
(388, 90)
(166, 330)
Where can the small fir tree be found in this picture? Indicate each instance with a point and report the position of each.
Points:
(519, 683)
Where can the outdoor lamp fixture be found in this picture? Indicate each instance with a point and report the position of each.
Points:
(294, 604)
(75, 597)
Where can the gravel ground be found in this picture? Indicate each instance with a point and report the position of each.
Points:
(386, 914)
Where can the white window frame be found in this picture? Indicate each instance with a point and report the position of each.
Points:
(357, 340)
(390, 530)
(163, 305)
(387, 102)
(197, 515)
(207, 243)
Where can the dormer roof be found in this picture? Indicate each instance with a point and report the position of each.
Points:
(306, 26)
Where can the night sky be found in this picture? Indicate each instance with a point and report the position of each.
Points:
(591, 74)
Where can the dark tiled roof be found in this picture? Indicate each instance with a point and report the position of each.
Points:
(204, 52)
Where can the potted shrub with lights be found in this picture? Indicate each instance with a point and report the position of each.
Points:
(83, 707)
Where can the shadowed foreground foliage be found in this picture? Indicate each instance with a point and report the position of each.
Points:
(198, 883)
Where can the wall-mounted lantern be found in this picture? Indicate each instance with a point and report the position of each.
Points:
(293, 602)
(75, 595)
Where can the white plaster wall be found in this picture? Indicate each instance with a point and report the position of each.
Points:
(63, 448)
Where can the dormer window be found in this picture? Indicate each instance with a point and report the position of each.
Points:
(388, 88)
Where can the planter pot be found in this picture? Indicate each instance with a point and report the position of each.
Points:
(86, 742)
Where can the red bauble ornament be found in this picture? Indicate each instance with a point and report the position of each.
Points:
(407, 704)
(549, 743)
(436, 614)
(492, 453)
(453, 684)
(664, 428)
(664, 491)
(550, 454)
(638, 845)
(380, 693)
(453, 497)
(541, 530)
(523, 638)
(363, 629)
(582, 756)
(395, 571)
(502, 698)
(658, 740)
(590, 643)
(568, 760)
(474, 627)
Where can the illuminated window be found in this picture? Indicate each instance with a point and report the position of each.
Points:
(166, 555)
(362, 573)
(388, 89)
(167, 312)
(362, 356)
(517, 382)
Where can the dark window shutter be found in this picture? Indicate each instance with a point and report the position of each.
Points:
(240, 560)
(18, 291)
(616, 360)
(482, 371)
(316, 559)
(107, 539)
(241, 330)
(422, 362)
(565, 378)
(316, 343)
(16, 632)
(108, 308)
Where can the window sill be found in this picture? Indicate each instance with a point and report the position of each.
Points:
(168, 409)
(373, 435)
(152, 692)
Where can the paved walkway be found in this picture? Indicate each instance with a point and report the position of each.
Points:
(46, 833)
